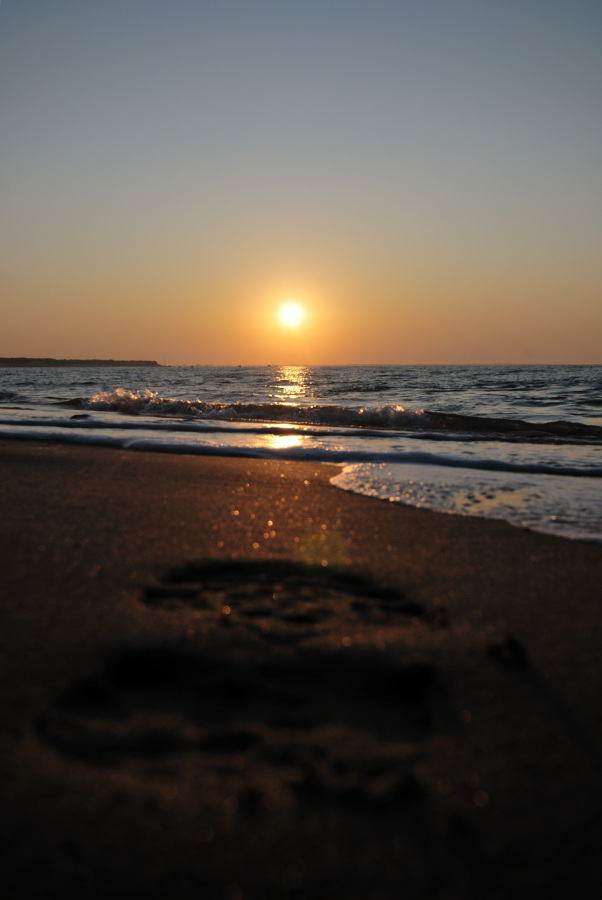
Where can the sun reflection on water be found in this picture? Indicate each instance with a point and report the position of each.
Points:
(291, 383)
(284, 441)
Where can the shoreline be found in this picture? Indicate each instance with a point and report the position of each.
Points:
(195, 700)
(174, 450)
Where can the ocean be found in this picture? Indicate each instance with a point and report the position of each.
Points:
(518, 443)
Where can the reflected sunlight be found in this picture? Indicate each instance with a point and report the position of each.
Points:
(285, 441)
(291, 382)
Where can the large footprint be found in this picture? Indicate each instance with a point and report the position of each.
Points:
(284, 601)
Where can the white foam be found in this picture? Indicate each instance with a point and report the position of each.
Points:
(555, 504)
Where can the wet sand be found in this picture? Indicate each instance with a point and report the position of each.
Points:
(225, 678)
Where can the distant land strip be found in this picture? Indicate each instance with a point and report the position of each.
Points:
(25, 362)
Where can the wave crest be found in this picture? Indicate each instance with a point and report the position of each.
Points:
(148, 402)
(388, 417)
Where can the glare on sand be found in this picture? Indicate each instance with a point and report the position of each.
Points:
(291, 314)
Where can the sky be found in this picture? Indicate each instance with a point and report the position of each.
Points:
(423, 177)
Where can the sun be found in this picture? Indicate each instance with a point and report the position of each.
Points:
(291, 314)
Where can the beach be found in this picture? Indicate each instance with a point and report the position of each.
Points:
(226, 678)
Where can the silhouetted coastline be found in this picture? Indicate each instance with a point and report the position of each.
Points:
(38, 362)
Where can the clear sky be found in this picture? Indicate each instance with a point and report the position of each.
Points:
(424, 177)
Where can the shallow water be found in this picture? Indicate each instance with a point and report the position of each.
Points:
(520, 443)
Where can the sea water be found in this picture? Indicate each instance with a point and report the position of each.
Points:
(519, 443)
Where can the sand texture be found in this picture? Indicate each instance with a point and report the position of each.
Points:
(226, 679)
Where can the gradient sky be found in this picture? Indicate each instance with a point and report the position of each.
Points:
(425, 177)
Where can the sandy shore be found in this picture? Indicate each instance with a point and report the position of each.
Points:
(224, 678)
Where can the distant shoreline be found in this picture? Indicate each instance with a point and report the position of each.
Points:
(24, 362)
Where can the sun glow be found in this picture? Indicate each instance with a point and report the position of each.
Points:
(291, 314)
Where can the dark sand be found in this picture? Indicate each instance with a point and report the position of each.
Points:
(194, 706)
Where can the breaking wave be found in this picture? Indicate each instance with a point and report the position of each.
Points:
(388, 417)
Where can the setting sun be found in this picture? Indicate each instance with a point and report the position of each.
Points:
(291, 314)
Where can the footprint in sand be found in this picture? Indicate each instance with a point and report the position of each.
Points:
(274, 719)
(330, 720)
(153, 701)
(284, 601)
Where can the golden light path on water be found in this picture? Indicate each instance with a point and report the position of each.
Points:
(291, 383)
(285, 441)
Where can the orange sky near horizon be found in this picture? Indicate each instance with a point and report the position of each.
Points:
(424, 182)
(177, 323)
